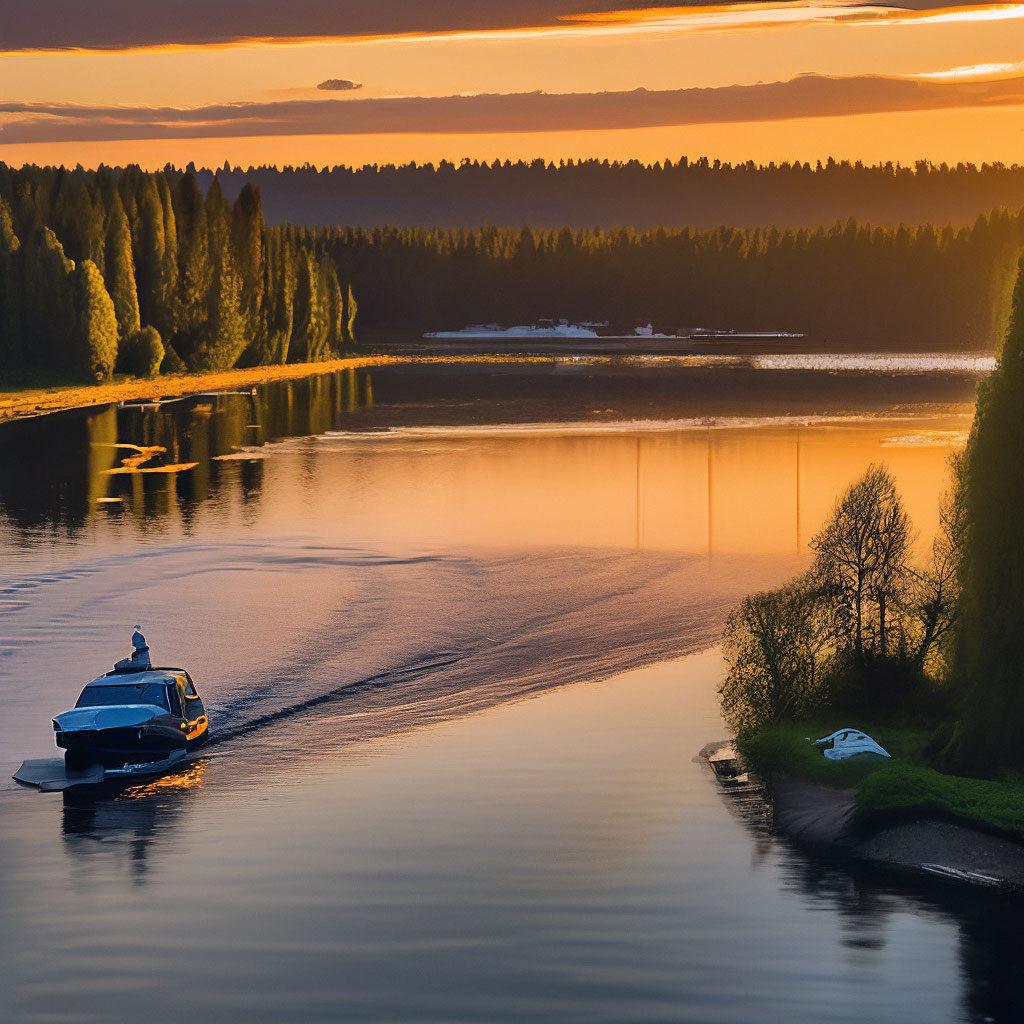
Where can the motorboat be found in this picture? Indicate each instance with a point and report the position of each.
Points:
(135, 720)
(133, 716)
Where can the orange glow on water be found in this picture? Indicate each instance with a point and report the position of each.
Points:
(177, 782)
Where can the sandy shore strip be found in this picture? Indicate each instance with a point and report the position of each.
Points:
(38, 401)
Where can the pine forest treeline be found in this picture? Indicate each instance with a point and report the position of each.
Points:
(672, 193)
(849, 284)
(138, 272)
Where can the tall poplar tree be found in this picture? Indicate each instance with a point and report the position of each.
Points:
(989, 665)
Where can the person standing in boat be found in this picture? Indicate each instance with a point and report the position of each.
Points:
(139, 661)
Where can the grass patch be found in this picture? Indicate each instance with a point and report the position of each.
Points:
(900, 791)
(784, 749)
(888, 791)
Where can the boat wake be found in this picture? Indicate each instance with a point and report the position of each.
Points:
(352, 643)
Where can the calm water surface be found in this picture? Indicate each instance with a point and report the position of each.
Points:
(381, 583)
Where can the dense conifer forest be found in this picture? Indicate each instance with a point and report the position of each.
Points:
(849, 285)
(140, 272)
(137, 272)
(698, 194)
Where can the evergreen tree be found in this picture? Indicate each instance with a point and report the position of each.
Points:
(49, 320)
(309, 324)
(75, 220)
(195, 273)
(97, 323)
(166, 321)
(990, 640)
(224, 339)
(150, 250)
(279, 302)
(247, 234)
(143, 353)
(334, 307)
(11, 348)
(350, 316)
(120, 270)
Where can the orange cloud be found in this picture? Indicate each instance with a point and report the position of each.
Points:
(803, 97)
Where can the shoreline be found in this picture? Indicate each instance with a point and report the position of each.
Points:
(32, 401)
(821, 818)
(25, 403)
(28, 402)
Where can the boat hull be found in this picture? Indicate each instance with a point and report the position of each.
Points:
(126, 745)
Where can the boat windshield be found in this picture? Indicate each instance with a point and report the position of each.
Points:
(137, 693)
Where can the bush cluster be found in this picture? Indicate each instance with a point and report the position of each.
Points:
(865, 628)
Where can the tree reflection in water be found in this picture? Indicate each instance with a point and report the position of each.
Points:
(865, 897)
(64, 471)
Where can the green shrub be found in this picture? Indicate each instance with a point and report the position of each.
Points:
(142, 353)
(173, 363)
(773, 642)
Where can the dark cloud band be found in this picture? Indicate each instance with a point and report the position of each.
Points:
(806, 96)
(128, 24)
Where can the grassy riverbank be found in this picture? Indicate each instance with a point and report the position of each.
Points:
(888, 791)
(36, 397)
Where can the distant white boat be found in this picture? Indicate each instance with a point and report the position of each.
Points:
(648, 331)
(706, 334)
(541, 329)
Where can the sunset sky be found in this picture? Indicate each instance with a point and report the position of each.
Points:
(261, 81)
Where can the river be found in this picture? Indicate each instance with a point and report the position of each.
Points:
(384, 582)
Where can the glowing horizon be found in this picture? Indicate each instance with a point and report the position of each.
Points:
(597, 53)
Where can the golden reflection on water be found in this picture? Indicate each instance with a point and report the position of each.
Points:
(715, 491)
(178, 782)
(277, 461)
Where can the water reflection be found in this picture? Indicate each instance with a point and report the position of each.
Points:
(127, 826)
(867, 902)
(987, 925)
(157, 460)
(320, 445)
(709, 491)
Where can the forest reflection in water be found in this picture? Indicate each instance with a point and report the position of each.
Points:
(693, 476)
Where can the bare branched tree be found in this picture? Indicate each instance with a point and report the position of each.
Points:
(862, 557)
